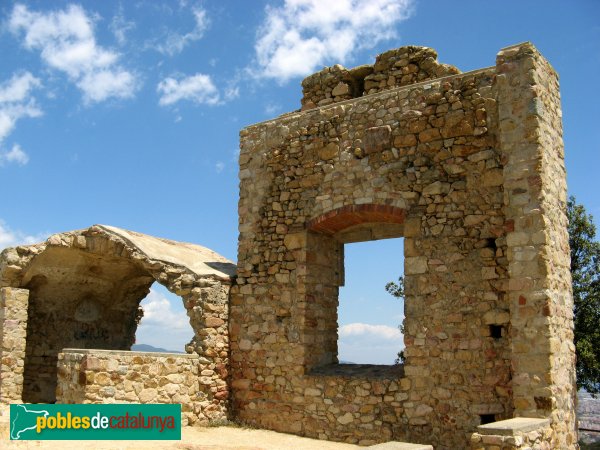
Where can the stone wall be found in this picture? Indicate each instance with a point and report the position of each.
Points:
(13, 331)
(103, 376)
(435, 162)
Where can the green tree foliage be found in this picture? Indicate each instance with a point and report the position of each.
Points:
(585, 270)
(397, 290)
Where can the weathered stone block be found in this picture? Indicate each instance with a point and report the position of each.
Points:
(328, 151)
(377, 139)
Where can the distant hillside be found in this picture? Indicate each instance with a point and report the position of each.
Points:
(150, 348)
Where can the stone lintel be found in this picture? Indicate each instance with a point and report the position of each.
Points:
(511, 427)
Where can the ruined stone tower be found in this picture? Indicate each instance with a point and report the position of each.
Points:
(469, 169)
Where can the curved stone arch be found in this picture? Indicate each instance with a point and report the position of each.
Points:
(388, 218)
(96, 278)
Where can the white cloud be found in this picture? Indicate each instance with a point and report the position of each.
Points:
(383, 332)
(119, 26)
(66, 41)
(16, 102)
(165, 324)
(197, 88)
(158, 311)
(369, 344)
(16, 155)
(232, 92)
(219, 166)
(173, 43)
(104, 84)
(18, 88)
(303, 34)
(13, 238)
(235, 155)
(271, 108)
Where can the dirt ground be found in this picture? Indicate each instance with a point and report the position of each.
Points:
(192, 438)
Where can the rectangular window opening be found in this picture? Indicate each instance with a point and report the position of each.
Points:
(371, 304)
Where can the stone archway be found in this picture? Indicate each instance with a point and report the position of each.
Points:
(84, 289)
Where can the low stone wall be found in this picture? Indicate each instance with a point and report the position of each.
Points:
(514, 434)
(106, 376)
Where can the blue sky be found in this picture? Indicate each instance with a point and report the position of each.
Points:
(128, 112)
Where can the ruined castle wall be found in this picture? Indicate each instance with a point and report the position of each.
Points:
(428, 162)
(13, 331)
(104, 376)
(429, 150)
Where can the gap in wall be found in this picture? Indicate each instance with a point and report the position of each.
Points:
(368, 316)
(165, 325)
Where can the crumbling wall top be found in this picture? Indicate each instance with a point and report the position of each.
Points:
(394, 68)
